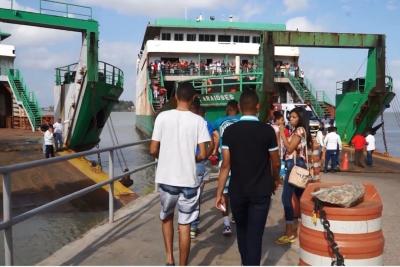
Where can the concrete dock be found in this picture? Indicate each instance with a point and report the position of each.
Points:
(135, 237)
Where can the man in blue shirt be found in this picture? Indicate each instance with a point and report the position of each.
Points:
(232, 116)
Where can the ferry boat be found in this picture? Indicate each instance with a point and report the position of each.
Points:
(85, 91)
(221, 58)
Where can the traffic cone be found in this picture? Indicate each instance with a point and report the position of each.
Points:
(344, 166)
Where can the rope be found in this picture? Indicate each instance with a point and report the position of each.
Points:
(116, 139)
(384, 134)
(112, 139)
(362, 64)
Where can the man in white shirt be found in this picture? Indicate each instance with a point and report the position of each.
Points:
(176, 135)
(370, 139)
(49, 142)
(331, 143)
(58, 129)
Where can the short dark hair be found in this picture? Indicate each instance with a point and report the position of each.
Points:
(185, 92)
(232, 104)
(248, 100)
(277, 115)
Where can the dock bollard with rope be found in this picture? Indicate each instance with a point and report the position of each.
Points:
(337, 235)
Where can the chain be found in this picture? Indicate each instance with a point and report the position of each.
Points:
(318, 209)
(99, 158)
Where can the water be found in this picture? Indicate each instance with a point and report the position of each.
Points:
(124, 125)
(392, 130)
(39, 237)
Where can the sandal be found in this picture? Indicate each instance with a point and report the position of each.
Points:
(283, 240)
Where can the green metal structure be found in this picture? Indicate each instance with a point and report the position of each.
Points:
(102, 84)
(356, 110)
(25, 98)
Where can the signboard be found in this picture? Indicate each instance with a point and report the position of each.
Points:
(216, 99)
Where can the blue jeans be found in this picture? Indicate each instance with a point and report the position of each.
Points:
(200, 172)
(330, 156)
(289, 189)
(250, 213)
(369, 157)
(58, 141)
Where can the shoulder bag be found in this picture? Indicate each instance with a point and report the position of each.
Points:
(300, 176)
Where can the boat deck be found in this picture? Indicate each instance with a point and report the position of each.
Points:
(135, 237)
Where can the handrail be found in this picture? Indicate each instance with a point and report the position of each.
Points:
(6, 171)
(67, 12)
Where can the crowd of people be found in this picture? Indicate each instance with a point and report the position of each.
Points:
(185, 67)
(285, 69)
(255, 159)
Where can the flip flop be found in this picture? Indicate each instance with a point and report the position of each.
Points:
(283, 240)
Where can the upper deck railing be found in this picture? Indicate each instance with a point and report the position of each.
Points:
(6, 171)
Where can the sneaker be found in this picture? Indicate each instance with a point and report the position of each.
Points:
(227, 230)
(193, 233)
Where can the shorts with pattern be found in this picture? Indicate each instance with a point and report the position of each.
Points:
(186, 198)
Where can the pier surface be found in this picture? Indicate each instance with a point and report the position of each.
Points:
(135, 237)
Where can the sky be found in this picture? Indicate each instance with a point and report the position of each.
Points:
(123, 22)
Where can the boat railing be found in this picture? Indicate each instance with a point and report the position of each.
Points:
(202, 72)
(107, 73)
(111, 74)
(6, 171)
(360, 84)
(67, 10)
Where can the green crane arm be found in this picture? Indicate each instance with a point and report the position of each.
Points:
(375, 43)
(88, 28)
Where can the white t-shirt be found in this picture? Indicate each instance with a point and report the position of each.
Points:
(48, 138)
(58, 128)
(371, 142)
(332, 140)
(179, 133)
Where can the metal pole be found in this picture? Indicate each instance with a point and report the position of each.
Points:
(111, 189)
(8, 244)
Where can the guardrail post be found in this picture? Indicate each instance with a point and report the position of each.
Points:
(111, 189)
(8, 244)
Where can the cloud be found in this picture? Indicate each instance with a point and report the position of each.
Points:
(295, 5)
(249, 10)
(303, 24)
(392, 5)
(42, 58)
(122, 55)
(157, 8)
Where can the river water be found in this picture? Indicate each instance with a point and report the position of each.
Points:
(42, 235)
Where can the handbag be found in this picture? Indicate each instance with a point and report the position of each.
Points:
(300, 176)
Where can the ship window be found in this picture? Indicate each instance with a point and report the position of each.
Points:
(241, 39)
(191, 37)
(178, 36)
(165, 36)
(256, 39)
(224, 38)
(206, 38)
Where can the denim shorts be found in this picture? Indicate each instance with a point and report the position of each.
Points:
(186, 198)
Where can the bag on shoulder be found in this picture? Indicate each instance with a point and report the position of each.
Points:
(300, 176)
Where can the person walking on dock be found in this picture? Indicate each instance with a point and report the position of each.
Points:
(248, 147)
(370, 139)
(176, 135)
(201, 171)
(49, 142)
(359, 145)
(332, 143)
(58, 130)
(232, 116)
